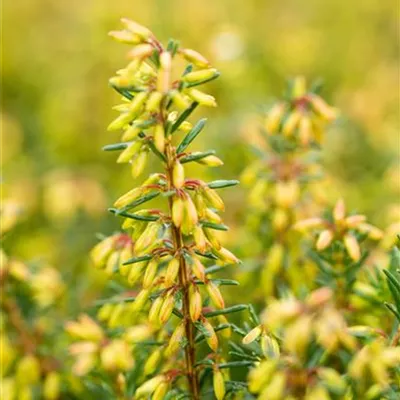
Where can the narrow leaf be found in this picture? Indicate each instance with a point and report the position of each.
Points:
(185, 114)
(198, 155)
(219, 184)
(191, 135)
(212, 225)
(134, 216)
(115, 146)
(134, 260)
(229, 310)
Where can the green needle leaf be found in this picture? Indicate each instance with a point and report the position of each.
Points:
(191, 135)
(219, 184)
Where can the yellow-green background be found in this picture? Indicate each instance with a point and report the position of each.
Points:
(57, 59)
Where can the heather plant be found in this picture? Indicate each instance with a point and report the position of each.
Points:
(162, 332)
(282, 184)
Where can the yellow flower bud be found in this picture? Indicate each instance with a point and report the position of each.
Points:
(211, 337)
(138, 102)
(116, 355)
(324, 239)
(355, 220)
(125, 255)
(163, 83)
(149, 386)
(261, 375)
(138, 333)
(161, 391)
(280, 219)
(298, 335)
(215, 295)
(270, 346)
(291, 123)
(195, 303)
(211, 216)
(212, 198)
(352, 247)
(112, 263)
(140, 300)
(167, 308)
(190, 217)
(135, 272)
(211, 161)
(198, 269)
(332, 379)
(117, 315)
(253, 335)
(308, 224)
(287, 193)
(225, 255)
(130, 152)
(147, 238)
(120, 122)
(373, 232)
(179, 99)
(275, 389)
(154, 101)
(155, 308)
(152, 362)
(131, 132)
(159, 138)
(274, 117)
(28, 370)
(139, 163)
(172, 272)
(212, 238)
(339, 211)
(105, 312)
(201, 98)
(177, 211)
(201, 75)
(195, 58)
(175, 340)
(327, 112)
(150, 273)
(218, 384)
(137, 29)
(178, 175)
(102, 250)
(86, 329)
(199, 238)
(299, 86)
(305, 130)
(141, 51)
(125, 37)
(129, 197)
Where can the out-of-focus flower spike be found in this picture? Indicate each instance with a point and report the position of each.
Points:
(274, 117)
(102, 250)
(306, 224)
(322, 108)
(291, 123)
(339, 211)
(299, 87)
(355, 220)
(305, 130)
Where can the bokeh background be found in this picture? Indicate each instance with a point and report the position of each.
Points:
(57, 59)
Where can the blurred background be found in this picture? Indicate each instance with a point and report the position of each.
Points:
(57, 59)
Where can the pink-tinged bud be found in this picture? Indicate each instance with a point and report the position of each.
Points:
(177, 211)
(287, 193)
(211, 336)
(125, 37)
(141, 51)
(112, 263)
(319, 297)
(137, 29)
(305, 130)
(150, 273)
(201, 97)
(218, 384)
(274, 118)
(213, 199)
(339, 211)
(324, 239)
(154, 101)
(253, 335)
(373, 232)
(195, 303)
(215, 295)
(198, 269)
(164, 75)
(155, 308)
(175, 340)
(225, 255)
(195, 58)
(167, 308)
(308, 224)
(214, 242)
(159, 138)
(199, 238)
(178, 175)
(125, 255)
(179, 99)
(172, 272)
(291, 123)
(352, 247)
(319, 105)
(355, 220)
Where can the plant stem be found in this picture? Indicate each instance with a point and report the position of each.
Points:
(184, 281)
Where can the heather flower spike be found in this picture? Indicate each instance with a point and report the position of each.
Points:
(163, 252)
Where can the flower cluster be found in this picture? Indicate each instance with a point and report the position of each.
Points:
(167, 254)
